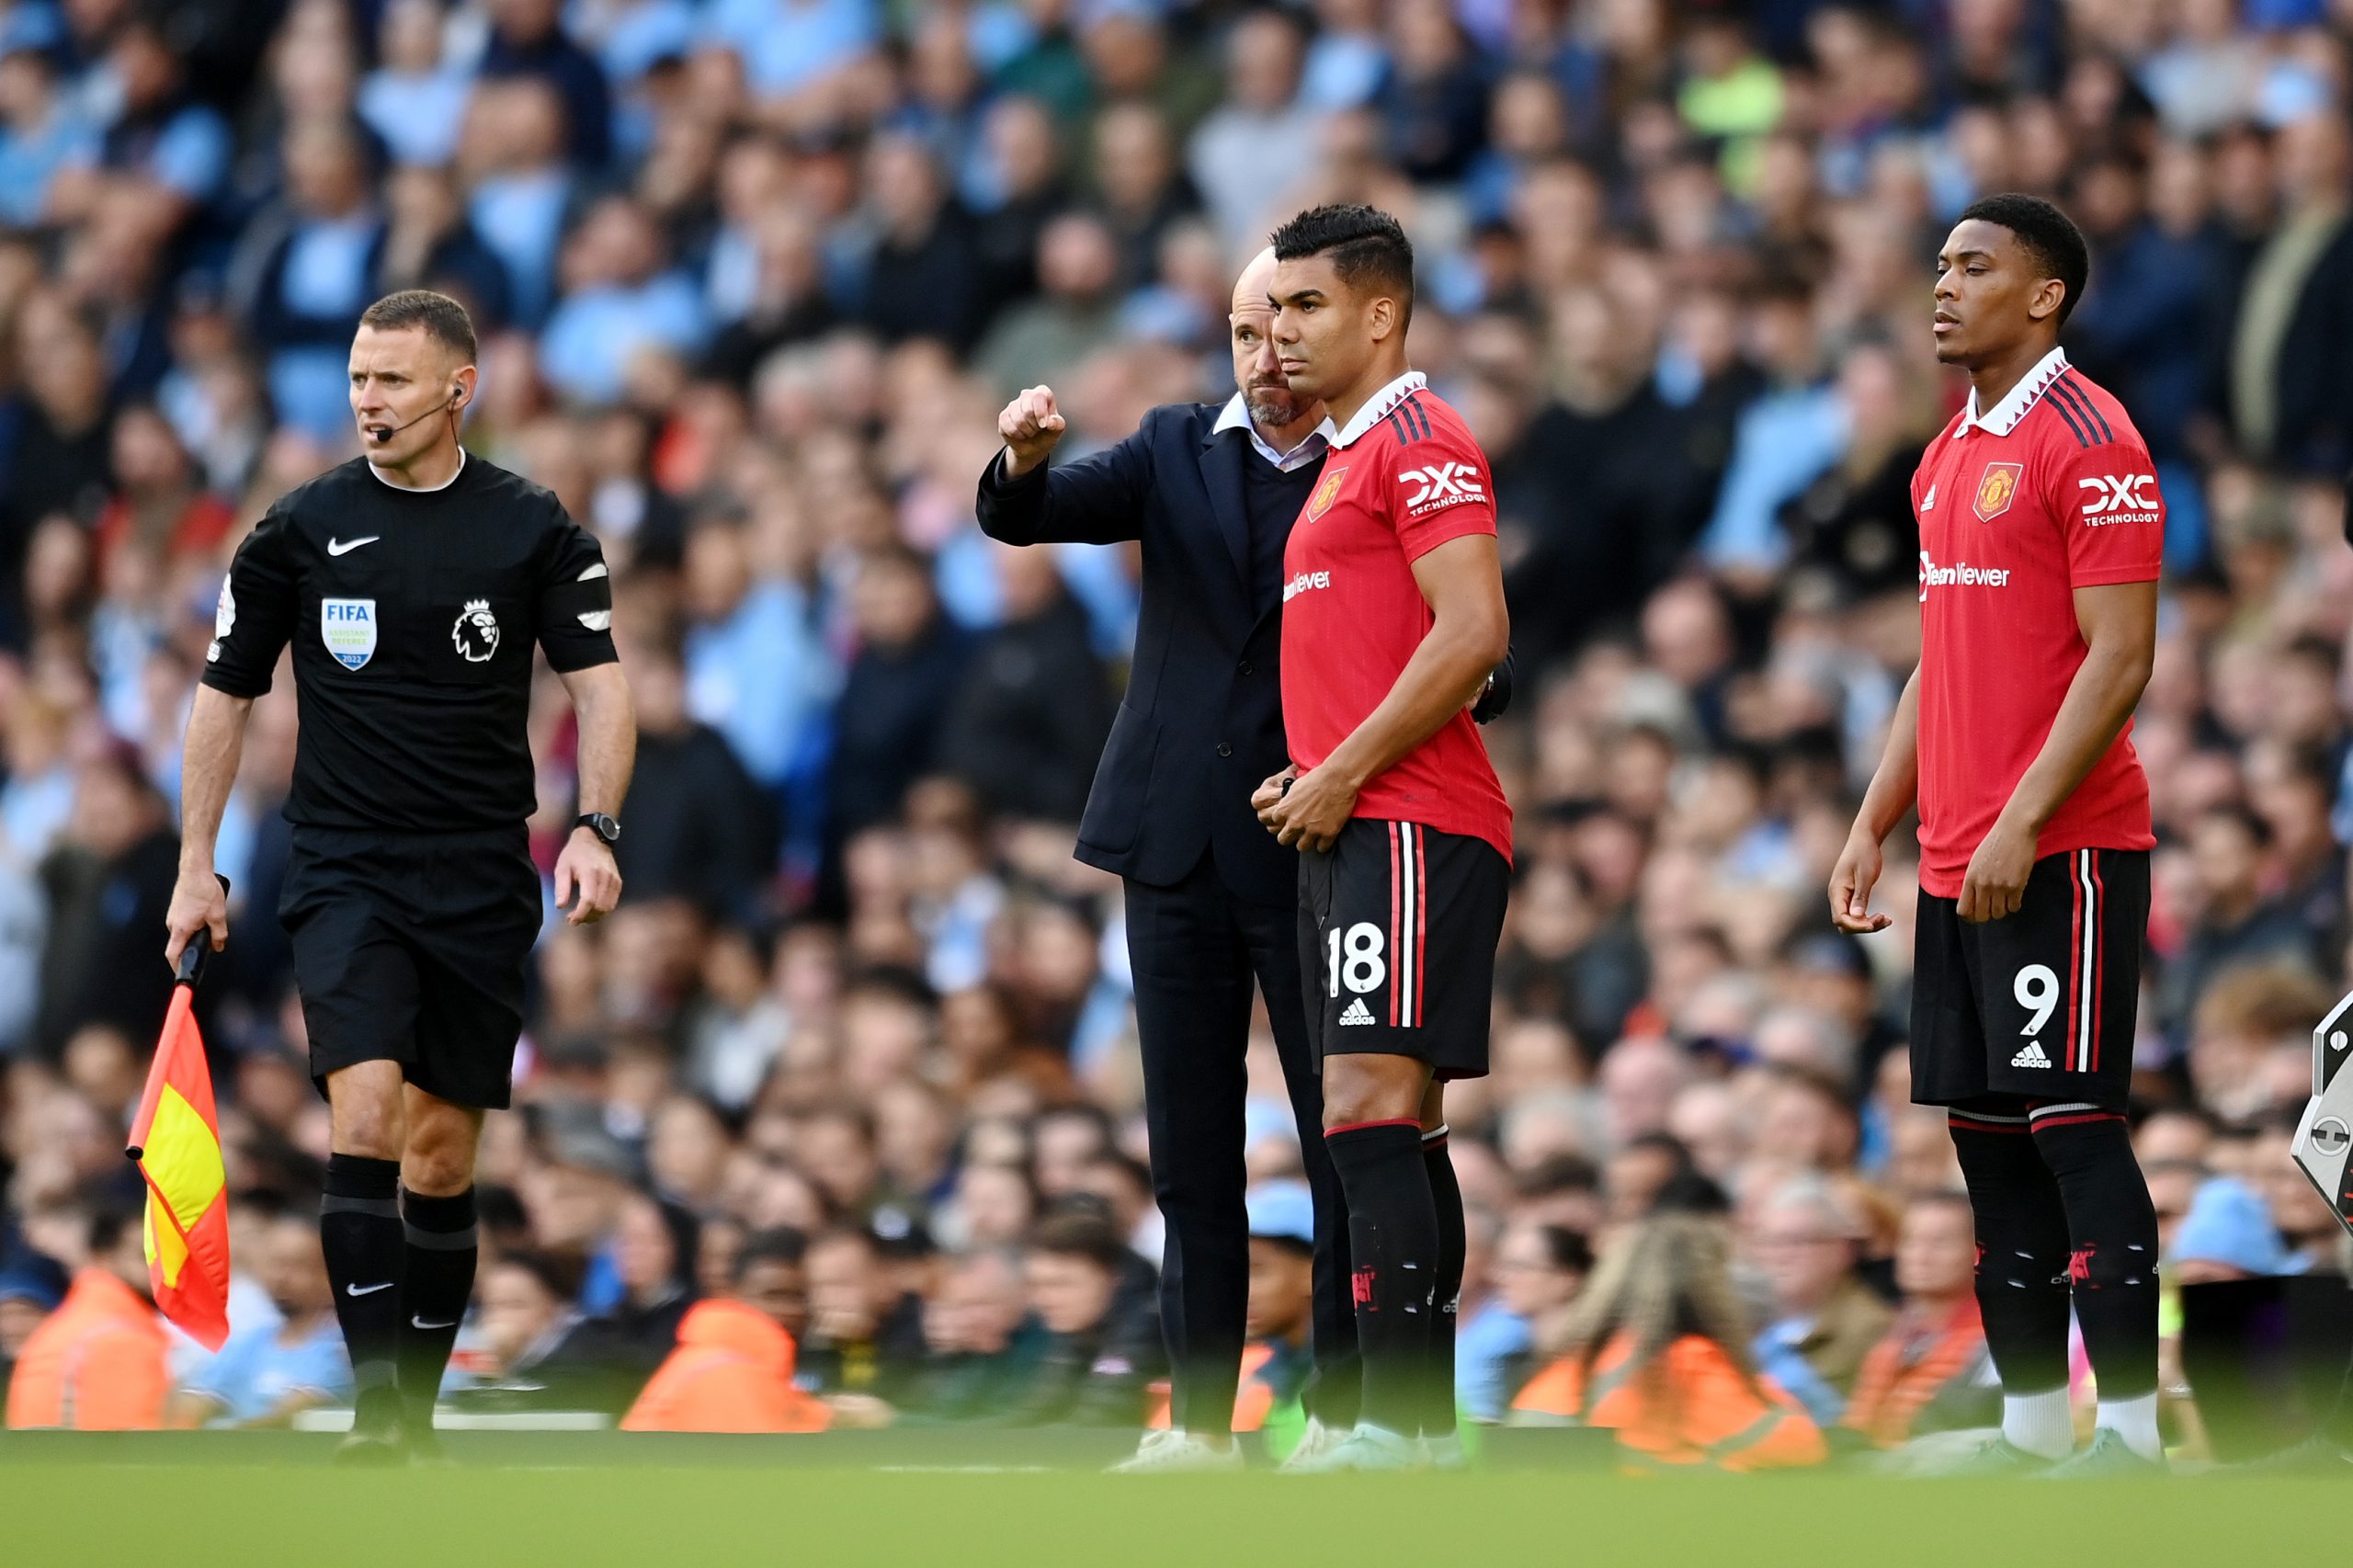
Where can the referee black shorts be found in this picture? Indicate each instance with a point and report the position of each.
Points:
(412, 948)
(1397, 930)
(2039, 1005)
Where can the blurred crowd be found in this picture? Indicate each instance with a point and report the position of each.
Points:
(848, 1089)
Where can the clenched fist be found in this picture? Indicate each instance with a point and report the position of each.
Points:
(1030, 426)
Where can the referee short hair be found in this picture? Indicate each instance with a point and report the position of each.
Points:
(439, 317)
(2047, 235)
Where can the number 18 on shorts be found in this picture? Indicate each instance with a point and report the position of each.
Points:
(2039, 1005)
(1397, 930)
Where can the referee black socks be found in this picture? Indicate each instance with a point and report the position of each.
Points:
(1393, 1242)
(359, 1228)
(437, 1280)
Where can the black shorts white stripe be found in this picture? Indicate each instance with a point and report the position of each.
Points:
(1398, 925)
(2042, 1005)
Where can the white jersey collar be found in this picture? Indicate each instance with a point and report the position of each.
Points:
(1375, 411)
(2005, 415)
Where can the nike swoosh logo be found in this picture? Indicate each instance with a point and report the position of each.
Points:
(365, 1290)
(420, 1323)
(346, 546)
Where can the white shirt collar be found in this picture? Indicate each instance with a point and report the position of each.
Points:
(1377, 410)
(2005, 415)
(422, 489)
(1236, 415)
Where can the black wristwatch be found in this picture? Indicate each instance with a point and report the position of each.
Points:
(605, 827)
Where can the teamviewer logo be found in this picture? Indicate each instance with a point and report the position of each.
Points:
(1963, 576)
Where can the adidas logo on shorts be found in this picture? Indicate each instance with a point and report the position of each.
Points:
(1357, 1013)
(2031, 1057)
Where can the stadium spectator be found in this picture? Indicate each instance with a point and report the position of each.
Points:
(866, 1334)
(733, 1365)
(1932, 1371)
(1826, 1320)
(98, 1363)
(1656, 1351)
(1106, 1346)
(266, 1375)
(1539, 1270)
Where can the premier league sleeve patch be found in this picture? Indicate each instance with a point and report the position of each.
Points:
(347, 627)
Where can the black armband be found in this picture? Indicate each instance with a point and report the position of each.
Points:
(587, 601)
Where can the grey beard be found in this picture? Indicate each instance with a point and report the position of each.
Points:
(1271, 410)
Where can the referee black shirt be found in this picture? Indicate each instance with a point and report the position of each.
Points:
(412, 614)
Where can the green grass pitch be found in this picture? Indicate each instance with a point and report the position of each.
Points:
(708, 1506)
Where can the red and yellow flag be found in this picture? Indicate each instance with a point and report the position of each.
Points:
(176, 1142)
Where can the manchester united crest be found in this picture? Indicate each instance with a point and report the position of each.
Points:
(1326, 493)
(1997, 490)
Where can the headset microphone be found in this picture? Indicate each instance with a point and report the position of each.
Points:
(381, 433)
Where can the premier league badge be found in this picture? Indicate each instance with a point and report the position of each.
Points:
(347, 627)
(476, 633)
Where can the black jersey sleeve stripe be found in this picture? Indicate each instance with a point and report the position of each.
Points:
(2082, 398)
(2083, 436)
(1418, 415)
(2073, 399)
(1404, 431)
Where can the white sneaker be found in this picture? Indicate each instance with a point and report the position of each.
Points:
(1367, 1448)
(1313, 1443)
(1444, 1453)
(1173, 1452)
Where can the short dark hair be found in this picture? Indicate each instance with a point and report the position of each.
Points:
(782, 1244)
(1566, 1250)
(2047, 235)
(1079, 1234)
(439, 317)
(1366, 244)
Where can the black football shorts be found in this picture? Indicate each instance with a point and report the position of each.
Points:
(1397, 930)
(2040, 1005)
(412, 948)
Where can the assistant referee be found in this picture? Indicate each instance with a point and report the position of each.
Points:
(412, 583)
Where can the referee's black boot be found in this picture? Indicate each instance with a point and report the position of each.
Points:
(378, 1440)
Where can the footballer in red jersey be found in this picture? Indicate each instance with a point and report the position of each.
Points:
(2042, 541)
(1394, 617)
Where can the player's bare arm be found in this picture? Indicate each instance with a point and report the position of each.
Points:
(2119, 621)
(216, 739)
(1894, 788)
(608, 754)
(1462, 580)
(1030, 425)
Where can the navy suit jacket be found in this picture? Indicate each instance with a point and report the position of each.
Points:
(1202, 723)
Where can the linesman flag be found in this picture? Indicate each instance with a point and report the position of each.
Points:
(175, 1142)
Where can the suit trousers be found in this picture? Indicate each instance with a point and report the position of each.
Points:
(1195, 948)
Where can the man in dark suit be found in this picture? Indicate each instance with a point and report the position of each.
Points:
(1211, 899)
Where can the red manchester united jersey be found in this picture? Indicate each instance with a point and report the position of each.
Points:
(2049, 491)
(1403, 478)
